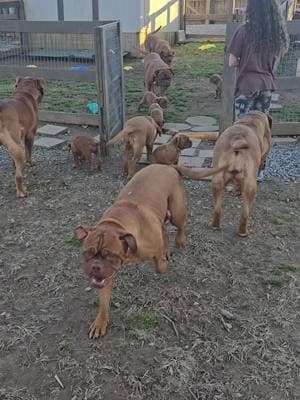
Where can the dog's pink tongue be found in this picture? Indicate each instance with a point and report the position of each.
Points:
(98, 283)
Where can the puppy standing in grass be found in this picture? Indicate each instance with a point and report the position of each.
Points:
(85, 147)
(216, 79)
(18, 124)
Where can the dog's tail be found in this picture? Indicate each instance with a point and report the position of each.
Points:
(237, 158)
(239, 144)
(156, 30)
(118, 137)
(197, 175)
(140, 50)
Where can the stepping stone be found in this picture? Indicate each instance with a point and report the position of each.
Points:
(283, 140)
(275, 107)
(176, 127)
(275, 97)
(48, 143)
(209, 128)
(206, 153)
(195, 142)
(163, 139)
(189, 152)
(52, 130)
(191, 161)
(201, 121)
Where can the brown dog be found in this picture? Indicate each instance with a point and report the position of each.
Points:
(157, 74)
(242, 149)
(133, 230)
(150, 98)
(18, 124)
(156, 112)
(85, 147)
(160, 46)
(137, 133)
(216, 79)
(169, 153)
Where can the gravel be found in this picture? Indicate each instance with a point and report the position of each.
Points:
(284, 161)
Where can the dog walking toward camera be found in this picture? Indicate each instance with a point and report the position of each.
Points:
(158, 74)
(133, 230)
(217, 80)
(18, 124)
(85, 147)
(138, 132)
(242, 149)
(169, 153)
(156, 112)
(160, 46)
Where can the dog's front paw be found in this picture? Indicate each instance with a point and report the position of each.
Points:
(21, 193)
(98, 328)
(32, 162)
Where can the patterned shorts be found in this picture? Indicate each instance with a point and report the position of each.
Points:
(260, 101)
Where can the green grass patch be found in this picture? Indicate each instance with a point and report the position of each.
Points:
(124, 348)
(143, 322)
(72, 242)
(281, 275)
(276, 221)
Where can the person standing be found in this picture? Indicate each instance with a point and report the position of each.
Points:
(254, 49)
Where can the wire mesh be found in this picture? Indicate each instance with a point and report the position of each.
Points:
(285, 105)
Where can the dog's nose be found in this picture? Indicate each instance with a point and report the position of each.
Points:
(96, 268)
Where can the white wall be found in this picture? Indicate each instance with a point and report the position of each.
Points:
(127, 11)
(78, 10)
(41, 10)
(163, 13)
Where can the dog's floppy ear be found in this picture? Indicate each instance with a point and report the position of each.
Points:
(82, 231)
(41, 85)
(270, 121)
(18, 80)
(129, 243)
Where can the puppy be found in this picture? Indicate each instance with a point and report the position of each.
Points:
(18, 124)
(84, 147)
(150, 98)
(133, 230)
(137, 133)
(242, 150)
(160, 46)
(216, 79)
(156, 112)
(158, 75)
(169, 153)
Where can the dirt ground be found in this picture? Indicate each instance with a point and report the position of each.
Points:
(167, 339)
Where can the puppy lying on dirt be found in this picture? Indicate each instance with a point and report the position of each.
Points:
(157, 74)
(156, 112)
(155, 44)
(150, 98)
(137, 133)
(169, 153)
(218, 81)
(242, 149)
(18, 124)
(85, 147)
(133, 230)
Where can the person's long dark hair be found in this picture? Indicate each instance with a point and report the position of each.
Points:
(266, 26)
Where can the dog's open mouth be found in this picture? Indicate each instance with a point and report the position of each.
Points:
(100, 283)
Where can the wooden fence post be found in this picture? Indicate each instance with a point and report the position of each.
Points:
(227, 113)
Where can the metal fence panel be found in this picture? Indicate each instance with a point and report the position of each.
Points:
(110, 75)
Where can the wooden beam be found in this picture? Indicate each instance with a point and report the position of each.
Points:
(288, 83)
(68, 118)
(207, 11)
(286, 129)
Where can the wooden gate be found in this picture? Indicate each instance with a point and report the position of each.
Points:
(286, 116)
(207, 11)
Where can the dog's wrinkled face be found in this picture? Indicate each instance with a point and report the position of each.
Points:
(167, 56)
(163, 77)
(104, 252)
(182, 142)
(162, 101)
(35, 86)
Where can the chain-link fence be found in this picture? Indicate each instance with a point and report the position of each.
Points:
(71, 56)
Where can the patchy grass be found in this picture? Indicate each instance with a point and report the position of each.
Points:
(281, 275)
(143, 322)
(73, 243)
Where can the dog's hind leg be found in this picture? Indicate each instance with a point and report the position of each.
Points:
(217, 191)
(16, 150)
(249, 194)
(29, 139)
(177, 205)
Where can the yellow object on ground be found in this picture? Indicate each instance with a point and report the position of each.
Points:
(208, 46)
(127, 68)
